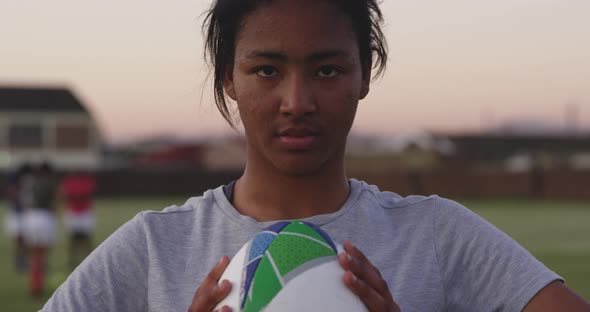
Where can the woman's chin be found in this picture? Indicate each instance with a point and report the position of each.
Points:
(300, 166)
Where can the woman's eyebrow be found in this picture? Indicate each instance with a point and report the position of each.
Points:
(313, 57)
(267, 54)
(322, 55)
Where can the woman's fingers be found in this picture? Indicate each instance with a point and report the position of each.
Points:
(213, 277)
(372, 299)
(365, 280)
(211, 292)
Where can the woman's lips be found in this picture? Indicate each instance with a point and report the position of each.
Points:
(298, 142)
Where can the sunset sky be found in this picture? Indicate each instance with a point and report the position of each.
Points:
(454, 65)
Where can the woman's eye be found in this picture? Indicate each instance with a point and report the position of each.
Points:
(266, 72)
(327, 72)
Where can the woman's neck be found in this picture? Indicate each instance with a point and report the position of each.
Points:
(274, 196)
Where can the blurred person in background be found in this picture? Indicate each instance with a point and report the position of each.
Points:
(77, 193)
(18, 194)
(40, 226)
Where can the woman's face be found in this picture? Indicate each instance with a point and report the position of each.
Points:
(297, 79)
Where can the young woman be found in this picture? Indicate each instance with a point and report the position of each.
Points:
(297, 70)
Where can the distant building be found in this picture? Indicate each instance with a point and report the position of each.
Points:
(408, 151)
(176, 156)
(520, 153)
(46, 124)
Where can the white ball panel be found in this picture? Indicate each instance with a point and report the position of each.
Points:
(234, 274)
(318, 289)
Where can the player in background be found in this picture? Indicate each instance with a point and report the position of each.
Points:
(15, 193)
(77, 194)
(40, 226)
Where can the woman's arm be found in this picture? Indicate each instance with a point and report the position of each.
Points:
(557, 297)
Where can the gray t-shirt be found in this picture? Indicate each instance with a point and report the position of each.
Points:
(434, 254)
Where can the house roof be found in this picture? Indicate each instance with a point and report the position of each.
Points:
(26, 99)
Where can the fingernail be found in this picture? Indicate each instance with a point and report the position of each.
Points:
(220, 260)
(352, 277)
(228, 284)
(350, 245)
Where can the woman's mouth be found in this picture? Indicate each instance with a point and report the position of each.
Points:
(298, 138)
(298, 142)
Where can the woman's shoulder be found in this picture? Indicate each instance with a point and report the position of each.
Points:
(434, 209)
(393, 200)
(192, 205)
(180, 217)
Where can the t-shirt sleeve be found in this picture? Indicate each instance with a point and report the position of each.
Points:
(482, 268)
(112, 278)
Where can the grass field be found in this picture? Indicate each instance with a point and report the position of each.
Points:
(556, 232)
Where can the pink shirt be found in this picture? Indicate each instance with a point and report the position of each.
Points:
(78, 191)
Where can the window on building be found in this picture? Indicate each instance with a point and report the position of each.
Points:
(72, 137)
(25, 136)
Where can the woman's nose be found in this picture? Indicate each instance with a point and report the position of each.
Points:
(297, 98)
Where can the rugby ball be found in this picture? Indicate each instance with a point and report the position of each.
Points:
(290, 266)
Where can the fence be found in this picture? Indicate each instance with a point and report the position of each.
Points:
(548, 185)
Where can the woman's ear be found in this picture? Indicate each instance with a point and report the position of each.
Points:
(228, 82)
(366, 81)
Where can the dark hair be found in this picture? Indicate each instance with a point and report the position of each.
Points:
(225, 16)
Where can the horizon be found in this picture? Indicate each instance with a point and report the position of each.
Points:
(493, 63)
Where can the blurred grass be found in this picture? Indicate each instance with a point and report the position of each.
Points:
(110, 213)
(556, 232)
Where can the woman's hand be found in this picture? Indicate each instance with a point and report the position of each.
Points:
(365, 280)
(210, 293)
